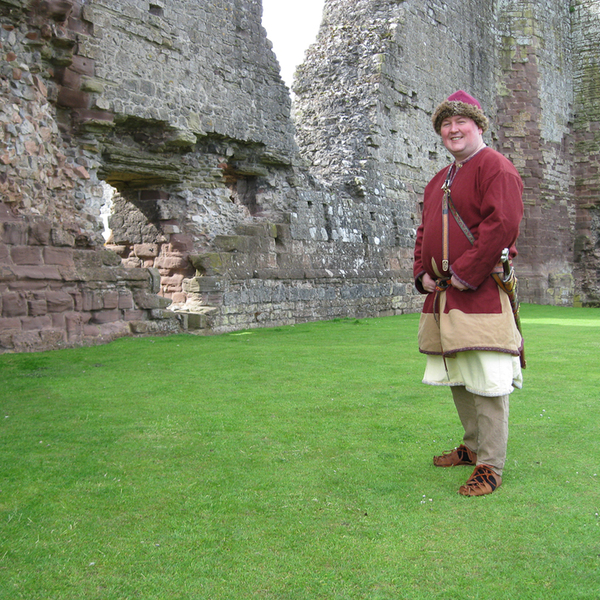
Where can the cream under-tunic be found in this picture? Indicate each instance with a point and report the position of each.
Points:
(482, 372)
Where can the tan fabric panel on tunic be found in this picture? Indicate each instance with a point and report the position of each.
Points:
(458, 331)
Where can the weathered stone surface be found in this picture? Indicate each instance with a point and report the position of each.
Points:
(37, 305)
(110, 299)
(106, 316)
(145, 300)
(26, 255)
(59, 301)
(10, 324)
(146, 250)
(58, 256)
(125, 300)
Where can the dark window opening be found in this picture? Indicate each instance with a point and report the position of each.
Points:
(243, 191)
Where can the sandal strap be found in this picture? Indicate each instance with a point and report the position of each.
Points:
(459, 456)
(483, 481)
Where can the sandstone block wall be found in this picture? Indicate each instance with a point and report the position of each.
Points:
(586, 126)
(58, 286)
(535, 112)
(53, 296)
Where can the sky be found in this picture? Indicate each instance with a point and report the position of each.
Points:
(292, 26)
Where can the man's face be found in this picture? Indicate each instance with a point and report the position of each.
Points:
(461, 136)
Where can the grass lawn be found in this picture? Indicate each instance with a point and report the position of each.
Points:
(294, 464)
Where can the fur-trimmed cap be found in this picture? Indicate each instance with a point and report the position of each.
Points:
(459, 103)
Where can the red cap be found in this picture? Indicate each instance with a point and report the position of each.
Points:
(459, 103)
(465, 98)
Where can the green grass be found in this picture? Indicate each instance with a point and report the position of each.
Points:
(293, 464)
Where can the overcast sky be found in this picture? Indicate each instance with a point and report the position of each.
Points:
(292, 26)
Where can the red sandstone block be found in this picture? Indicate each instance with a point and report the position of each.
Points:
(36, 323)
(106, 316)
(111, 300)
(125, 301)
(37, 273)
(132, 263)
(14, 305)
(28, 285)
(26, 255)
(81, 172)
(171, 262)
(37, 306)
(178, 242)
(10, 323)
(15, 232)
(75, 322)
(91, 331)
(179, 298)
(41, 87)
(83, 65)
(76, 24)
(145, 250)
(4, 253)
(73, 98)
(58, 320)
(39, 233)
(58, 256)
(58, 10)
(91, 300)
(134, 315)
(59, 302)
(69, 78)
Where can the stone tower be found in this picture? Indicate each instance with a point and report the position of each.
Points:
(586, 143)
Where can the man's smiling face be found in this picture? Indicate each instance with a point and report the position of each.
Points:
(461, 136)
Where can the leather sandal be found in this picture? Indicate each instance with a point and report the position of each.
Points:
(483, 481)
(459, 456)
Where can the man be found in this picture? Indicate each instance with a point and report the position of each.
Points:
(471, 212)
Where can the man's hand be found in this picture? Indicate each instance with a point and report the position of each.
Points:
(428, 283)
(455, 283)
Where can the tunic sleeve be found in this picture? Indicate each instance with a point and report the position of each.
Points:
(418, 270)
(501, 211)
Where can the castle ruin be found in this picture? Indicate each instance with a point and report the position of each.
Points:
(230, 206)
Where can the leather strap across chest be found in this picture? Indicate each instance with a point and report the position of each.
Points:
(448, 204)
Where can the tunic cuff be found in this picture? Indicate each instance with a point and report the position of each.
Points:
(419, 283)
(466, 283)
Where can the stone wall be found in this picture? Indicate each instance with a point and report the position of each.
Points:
(534, 129)
(58, 286)
(586, 35)
(238, 209)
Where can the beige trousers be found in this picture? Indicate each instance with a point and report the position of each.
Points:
(485, 421)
